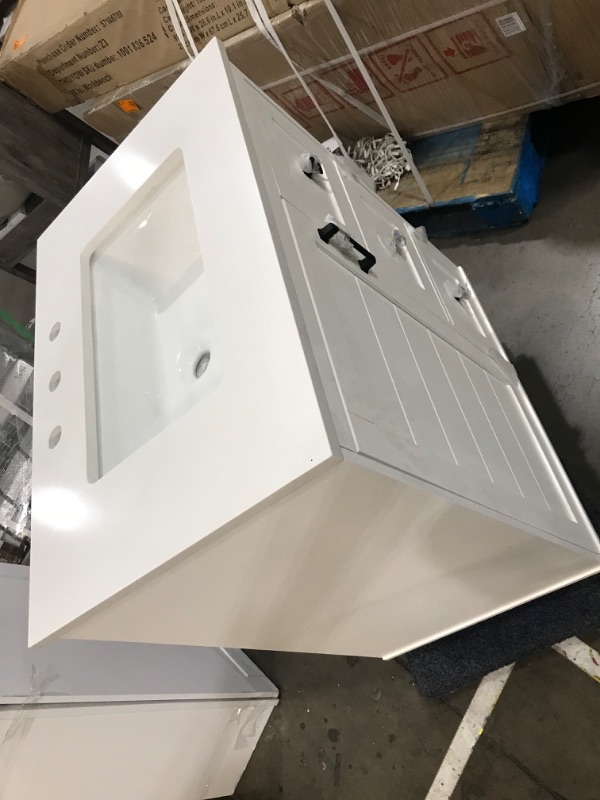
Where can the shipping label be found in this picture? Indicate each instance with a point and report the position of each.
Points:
(111, 49)
(510, 24)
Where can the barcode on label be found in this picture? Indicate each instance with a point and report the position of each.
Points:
(510, 24)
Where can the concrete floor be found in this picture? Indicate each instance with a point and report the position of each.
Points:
(357, 728)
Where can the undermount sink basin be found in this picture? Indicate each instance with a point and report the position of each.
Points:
(155, 352)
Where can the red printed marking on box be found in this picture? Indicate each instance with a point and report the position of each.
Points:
(349, 78)
(468, 43)
(299, 104)
(406, 65)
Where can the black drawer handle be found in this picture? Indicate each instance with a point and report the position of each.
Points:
(327, 232)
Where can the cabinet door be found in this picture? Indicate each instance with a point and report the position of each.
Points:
(283, 148)
(446, 279)
(420, 405)
(335, 195)
(437, 276)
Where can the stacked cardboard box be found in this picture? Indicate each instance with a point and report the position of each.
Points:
(67, 51)
(437, 64)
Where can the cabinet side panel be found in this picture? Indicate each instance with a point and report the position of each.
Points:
(354, 563)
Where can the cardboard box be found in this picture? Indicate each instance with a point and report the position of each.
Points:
(117, 113)
(468, 64)
(449, 73)
(62, 52)
(437, 65)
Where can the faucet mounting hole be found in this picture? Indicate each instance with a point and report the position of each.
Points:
(201, 364)
(54, 381)
(54, 438)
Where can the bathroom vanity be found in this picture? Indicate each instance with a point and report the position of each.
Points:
(268, 412)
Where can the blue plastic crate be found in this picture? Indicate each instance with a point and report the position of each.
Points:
(482, 177)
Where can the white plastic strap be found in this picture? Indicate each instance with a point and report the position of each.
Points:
(261, 19)
(377, 97)
(352, 101)
(15, 410)
(18, 530)
(182, 29)
(259, 15)
(254, 12)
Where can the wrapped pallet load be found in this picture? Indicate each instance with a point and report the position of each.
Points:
(16, 406)
(436, 64)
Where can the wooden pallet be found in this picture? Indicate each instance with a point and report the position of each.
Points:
(481, 177)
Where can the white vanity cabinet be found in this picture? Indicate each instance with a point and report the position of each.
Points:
(283, 420)
(127, 721)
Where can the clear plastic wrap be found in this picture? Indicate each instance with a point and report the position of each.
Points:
(16, 406)
(117, 113)
(437, 64)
